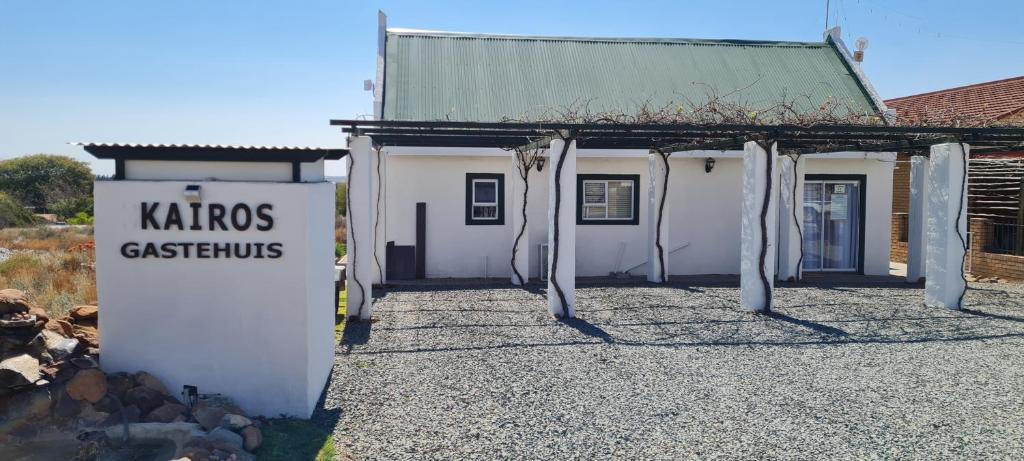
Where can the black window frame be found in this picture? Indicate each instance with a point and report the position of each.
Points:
(470, 220)
(580, 178)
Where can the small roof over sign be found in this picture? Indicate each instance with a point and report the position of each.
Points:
(210, 152)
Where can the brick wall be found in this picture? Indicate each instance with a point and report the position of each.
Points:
(898, 249)
(983, 264)
(901, 184)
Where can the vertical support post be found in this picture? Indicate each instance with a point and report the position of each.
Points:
(360, 229)
(421, 240)
(378, 167)
(657, 232)
(758, 240)
(916, 219)
(791, 215)
(520, 231)
(947, 225)
(562, 229)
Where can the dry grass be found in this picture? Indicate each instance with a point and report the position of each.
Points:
(55, 268)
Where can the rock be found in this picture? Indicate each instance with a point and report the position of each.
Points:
(147, 380)
(89, 417)
(129, 415)
(23, 409)
(66, 407)
(20, 370)
(119, 383)
(89, 385)
(143, 397)
(195, 454)
(41, 315)
(108, 404)
(207, 416)
(225, 436)
(13, 301)
(79, 313)
(178, 433)
(58, 346)
(165, 413)
(61, 327)
(234, 422)
(252, 438)
(88, 335)
(84, 363)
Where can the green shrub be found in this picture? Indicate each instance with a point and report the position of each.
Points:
(339, 250)
(48, 181)
(82, 218)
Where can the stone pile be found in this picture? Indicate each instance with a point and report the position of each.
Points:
(50, 381)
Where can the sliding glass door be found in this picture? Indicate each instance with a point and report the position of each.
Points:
(832, 225)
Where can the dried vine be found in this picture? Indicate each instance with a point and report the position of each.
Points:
(376, 219)
(553, 276)
(352, 251)
(796, 221)
(525, 161)
(661, 214)
(959, 216)
(766, 145)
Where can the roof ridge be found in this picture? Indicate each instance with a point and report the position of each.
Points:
(738, 42)
(958, 88)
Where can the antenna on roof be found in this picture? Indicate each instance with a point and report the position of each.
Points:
(827, 2)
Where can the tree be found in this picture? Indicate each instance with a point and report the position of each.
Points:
(340, 198)
(12, 214)
(53, 183)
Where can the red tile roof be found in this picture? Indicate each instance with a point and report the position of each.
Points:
(989, 101)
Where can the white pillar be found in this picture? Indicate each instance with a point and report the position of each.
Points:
(755, 177)
(791, 215)
(947, 225)
(562, 167)
(521, 254)
(359, 270)
(378, 167)
(916, 218)
(657, 258)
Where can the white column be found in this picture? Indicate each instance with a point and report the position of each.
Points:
(916, 218)
(521, 254)
(562, 197)
(755, 181)
(657, 258)
(360, 229)
(791, 215)
(947, 225)
(378, 167)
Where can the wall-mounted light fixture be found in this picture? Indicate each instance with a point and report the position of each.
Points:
(709, 164)
(192, 194)
(540, 164)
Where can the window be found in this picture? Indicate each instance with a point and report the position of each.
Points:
(485, 199)
(607, 199)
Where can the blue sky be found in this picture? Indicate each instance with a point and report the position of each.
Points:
(274, 73)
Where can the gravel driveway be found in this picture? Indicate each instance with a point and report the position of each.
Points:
(844, 371)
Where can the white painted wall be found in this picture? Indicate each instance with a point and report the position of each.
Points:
(258, 330)
(166, 170)
(704, 211)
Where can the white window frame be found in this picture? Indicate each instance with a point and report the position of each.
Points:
(494, 204)
(585, 205)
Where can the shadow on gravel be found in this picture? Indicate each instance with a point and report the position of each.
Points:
(978, 313)
(356, 333)
(588, 329)
(818, 327)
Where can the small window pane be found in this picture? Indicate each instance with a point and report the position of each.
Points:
(620, 200)
(593, 192)
(485, 192)
(594, 212)
(485, 212)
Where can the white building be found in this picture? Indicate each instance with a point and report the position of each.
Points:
(473, 195)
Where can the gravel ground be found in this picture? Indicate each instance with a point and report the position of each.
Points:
(844, 371)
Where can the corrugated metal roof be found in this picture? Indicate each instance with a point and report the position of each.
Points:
(473, 77)
(195, 146)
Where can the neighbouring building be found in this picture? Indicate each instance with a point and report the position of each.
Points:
(995, 192)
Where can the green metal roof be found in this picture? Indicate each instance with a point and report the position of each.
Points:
(470, 77)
